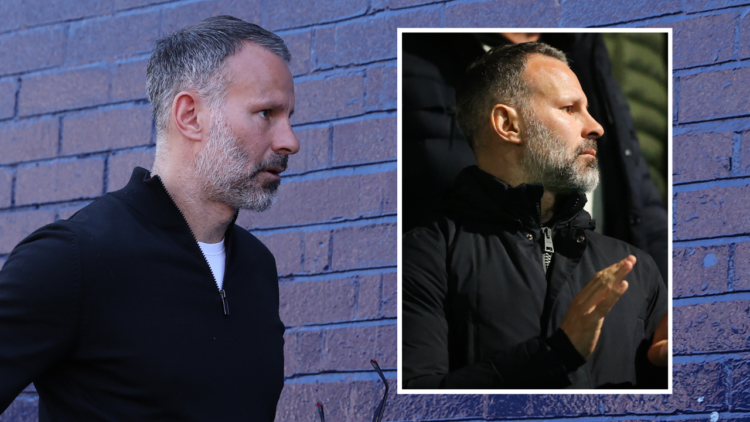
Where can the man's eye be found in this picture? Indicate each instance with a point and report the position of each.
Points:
(568, 109)
(264, 113)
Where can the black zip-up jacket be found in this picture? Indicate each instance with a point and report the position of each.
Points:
(480, 312)
(115, 316)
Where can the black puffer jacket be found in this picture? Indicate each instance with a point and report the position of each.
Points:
(480, 312)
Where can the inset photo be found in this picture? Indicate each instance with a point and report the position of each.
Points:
(534, 211)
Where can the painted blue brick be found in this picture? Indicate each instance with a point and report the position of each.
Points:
(373, 39)
(300, 45)
(365, 396)
(702, 156)
(8, 88)
(185, 14)
(718, 211)
(298, 401)
(700, 271)
(712, 327)
(704, 40)
(45, 44)
(54, 91)
(697, 387)
(39, 12)
(113, 37)
(380, 88)
(510, 13)
(129, 81)
(292, 13)
(129, 4)
(23, 409)
(593, 12)
(701, 5)
(714, 94)
(11, 11)
(555, 405)
(398, 4)
(327, 98)
(740, 384)
(111, 128)
(442, 407)
(508, 406)
(744, 45)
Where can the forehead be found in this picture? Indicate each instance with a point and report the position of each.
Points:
(255, 71)
(549, 77)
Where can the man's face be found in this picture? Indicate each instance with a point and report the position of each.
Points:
(559, 133)
(250, 137)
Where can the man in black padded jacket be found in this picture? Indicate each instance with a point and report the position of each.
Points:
(435, 150)
(507, 285)
(150, 304)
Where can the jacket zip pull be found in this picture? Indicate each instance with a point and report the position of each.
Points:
(223, 295)
(549, 249)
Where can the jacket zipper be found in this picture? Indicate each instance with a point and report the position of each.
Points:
(548, 250)
(222, 292)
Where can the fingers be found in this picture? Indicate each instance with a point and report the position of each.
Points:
(658, 353)
(604, 281)
(603, 307)
(662, 331)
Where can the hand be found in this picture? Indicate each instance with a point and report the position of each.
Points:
(585, 316)
(659, 350)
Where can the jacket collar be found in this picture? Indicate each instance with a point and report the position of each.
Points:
(477, 194)
(150, 198)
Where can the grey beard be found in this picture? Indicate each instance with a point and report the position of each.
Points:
(547, 160)
(227, 174)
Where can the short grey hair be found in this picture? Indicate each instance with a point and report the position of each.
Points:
(194, 57)
(496, 78)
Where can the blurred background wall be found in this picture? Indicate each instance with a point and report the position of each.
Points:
(74, 120)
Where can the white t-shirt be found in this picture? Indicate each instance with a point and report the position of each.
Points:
(216, 256)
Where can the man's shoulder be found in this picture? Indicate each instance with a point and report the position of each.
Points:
(250, 243)
(437, 226)
(107, 205)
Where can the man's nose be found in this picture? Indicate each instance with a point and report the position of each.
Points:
(592, 129)
(285, 141)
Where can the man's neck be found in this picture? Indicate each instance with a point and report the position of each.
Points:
(207, 220)
(548, 206)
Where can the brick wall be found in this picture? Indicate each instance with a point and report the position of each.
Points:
(74, 121)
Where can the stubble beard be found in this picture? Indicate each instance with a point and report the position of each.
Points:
(227, 174)
(549, 161)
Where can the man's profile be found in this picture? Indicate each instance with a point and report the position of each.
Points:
(150, 303)
(506, 285)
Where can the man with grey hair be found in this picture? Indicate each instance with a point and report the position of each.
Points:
(123, 311)
(507, 285)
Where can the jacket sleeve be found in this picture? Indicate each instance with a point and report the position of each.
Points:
(535, 363)
(39, 299)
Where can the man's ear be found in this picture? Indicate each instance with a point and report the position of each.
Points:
(189, 114)
(505, 123)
